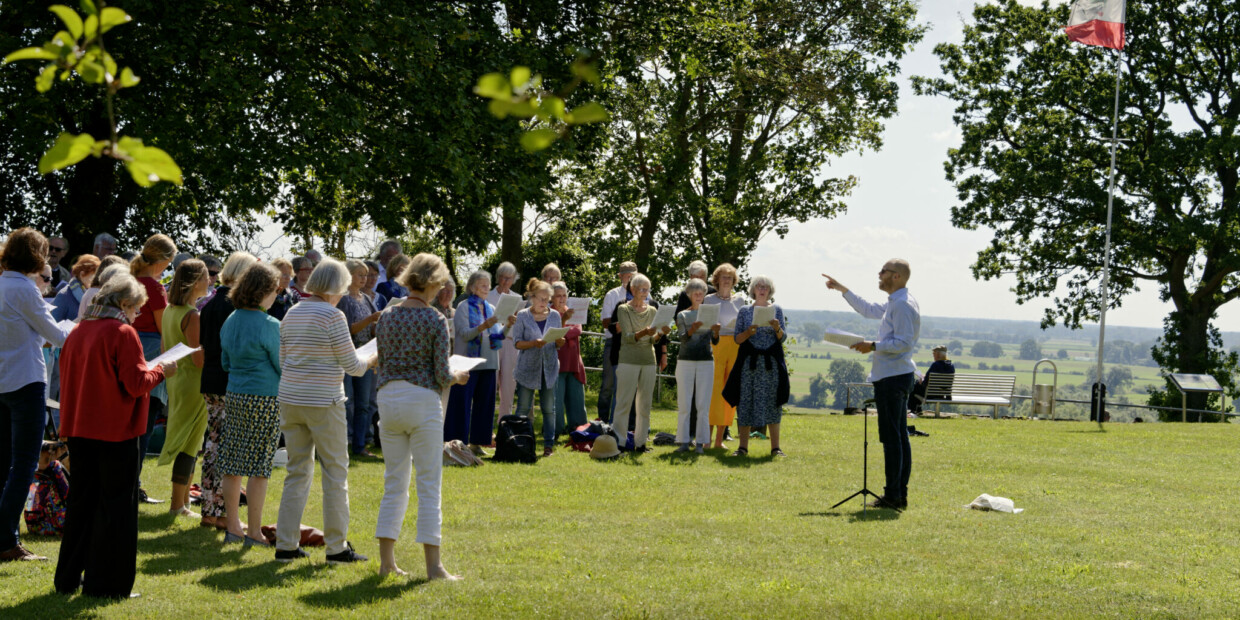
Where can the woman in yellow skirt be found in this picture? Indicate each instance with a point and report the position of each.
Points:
(187, 411)
(721, 413)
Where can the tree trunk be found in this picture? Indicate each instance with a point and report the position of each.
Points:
(513, 229)
(1194, 347)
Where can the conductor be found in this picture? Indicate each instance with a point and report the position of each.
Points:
(891, 372)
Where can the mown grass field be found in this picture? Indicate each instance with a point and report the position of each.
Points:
(1137, 520)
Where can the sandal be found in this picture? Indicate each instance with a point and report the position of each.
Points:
(777, 452)
(741, 452)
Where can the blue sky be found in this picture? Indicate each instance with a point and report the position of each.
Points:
(902, 208)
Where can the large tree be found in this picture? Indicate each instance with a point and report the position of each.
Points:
(722, 134)
(1035, 114)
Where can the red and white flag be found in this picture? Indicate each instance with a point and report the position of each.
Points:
(1097, 22)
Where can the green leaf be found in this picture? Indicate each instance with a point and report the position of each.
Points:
(494, 86)
(520, 75)
(88, 7)
(91, 27)
(97, 150)
(586, 71)
(551, 107)
(64, 40)
(128, 78)
(111, 17)
(90, 71)
(522, 109)
(29, 53)
(499, 108)
(539, 139)
(43, 83)
(147, 165)
(70, 17)
(66, 151)
(591, 112)
(109, 66)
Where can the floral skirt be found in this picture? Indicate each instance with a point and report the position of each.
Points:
(251, 435)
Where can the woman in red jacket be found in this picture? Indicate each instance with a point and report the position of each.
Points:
(105, 386)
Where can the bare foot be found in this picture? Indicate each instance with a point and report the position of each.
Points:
(384, 571)
(441, 573)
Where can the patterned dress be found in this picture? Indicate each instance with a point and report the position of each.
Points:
(759, 385)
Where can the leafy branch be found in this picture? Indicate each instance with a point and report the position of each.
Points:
(79, 49)
(521, 94)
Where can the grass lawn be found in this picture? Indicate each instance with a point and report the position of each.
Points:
(1136, 521)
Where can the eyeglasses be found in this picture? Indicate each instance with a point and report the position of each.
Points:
(213, 274)
(46, 278)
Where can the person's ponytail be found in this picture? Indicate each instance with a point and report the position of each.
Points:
(157, 249)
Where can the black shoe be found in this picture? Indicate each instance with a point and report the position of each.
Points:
(143, 498)
(891, 504)
(348, 556)
(289, 556)
(777, 452)
(643, 449)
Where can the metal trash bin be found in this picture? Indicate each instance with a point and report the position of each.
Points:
(1044, 394)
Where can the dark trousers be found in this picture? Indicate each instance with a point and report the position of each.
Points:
(607, 388)
(23, 414)
(357, 391)
(471, 409)
(891, 399)
(101, 519)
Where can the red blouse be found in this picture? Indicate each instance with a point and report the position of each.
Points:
(104, 382)
(570, 354)
(156, 299)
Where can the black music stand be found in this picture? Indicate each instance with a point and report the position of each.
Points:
(865, 461)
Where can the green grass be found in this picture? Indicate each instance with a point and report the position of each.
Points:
(1136, 521)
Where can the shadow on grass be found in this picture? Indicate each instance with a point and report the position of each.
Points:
(370, 590)
(54, 605)
(1090, 431)
(869, 514)
(253, 576)
(726, 459)
(179, 551)
(681, 458)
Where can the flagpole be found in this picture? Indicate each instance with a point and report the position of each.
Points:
(1106, 252)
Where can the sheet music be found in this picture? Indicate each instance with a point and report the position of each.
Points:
(581, 310)
(508, 305)
(66, 325)
(664, 316)
(368, 350)
(459, 362)
(763, 315)
(554, 333)
(708, 314)
(175, 353)
(841, 338)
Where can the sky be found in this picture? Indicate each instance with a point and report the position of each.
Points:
(902, 208)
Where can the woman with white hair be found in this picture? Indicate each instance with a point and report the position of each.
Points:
(758, 384)
(471, 407)
(316, 351)
(106, 384)
(214, 386)
(361, 313)
(637, 366)
(695, 368)
(505, 277)
(538, 365)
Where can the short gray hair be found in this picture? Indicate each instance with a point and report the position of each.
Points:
(235, 267)
(639, 280)
(697, 267)
(353, 264)
(120, 291)
(506, 270)
(110, 272)
(559, 285)
(763, 280)
(329, 278)
(104, 237)
(474, 277)
(695, 285)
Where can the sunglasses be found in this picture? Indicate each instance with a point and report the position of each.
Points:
(46, 278)
(213, 274)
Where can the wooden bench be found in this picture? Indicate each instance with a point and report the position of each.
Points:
(993, 391)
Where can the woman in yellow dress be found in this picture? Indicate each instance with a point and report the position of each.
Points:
(187, 411)
(726, 350)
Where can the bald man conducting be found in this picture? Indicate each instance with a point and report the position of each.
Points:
(891, 371)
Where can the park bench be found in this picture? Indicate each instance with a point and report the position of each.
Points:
(964, 389)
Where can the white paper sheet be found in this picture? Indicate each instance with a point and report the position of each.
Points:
(763, 315)
(841, 338)
(175, 353)
(459, 362)
(664, 316)
(368, 350)
(66, 325)
(507, 306)
(731, 325)
(708, 314)
(581, 310)
(554, 333)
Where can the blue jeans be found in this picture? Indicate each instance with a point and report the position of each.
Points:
(546, 402)
(23, 416)
(357, 408)
(570, 403)
(607, 390)
(891, 400)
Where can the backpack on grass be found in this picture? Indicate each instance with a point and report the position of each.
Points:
(514, 440)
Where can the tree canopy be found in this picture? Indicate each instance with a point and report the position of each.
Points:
(1035, 114)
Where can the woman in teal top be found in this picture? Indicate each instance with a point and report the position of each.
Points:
(250, 354)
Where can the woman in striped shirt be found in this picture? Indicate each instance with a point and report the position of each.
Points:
(316, 351)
